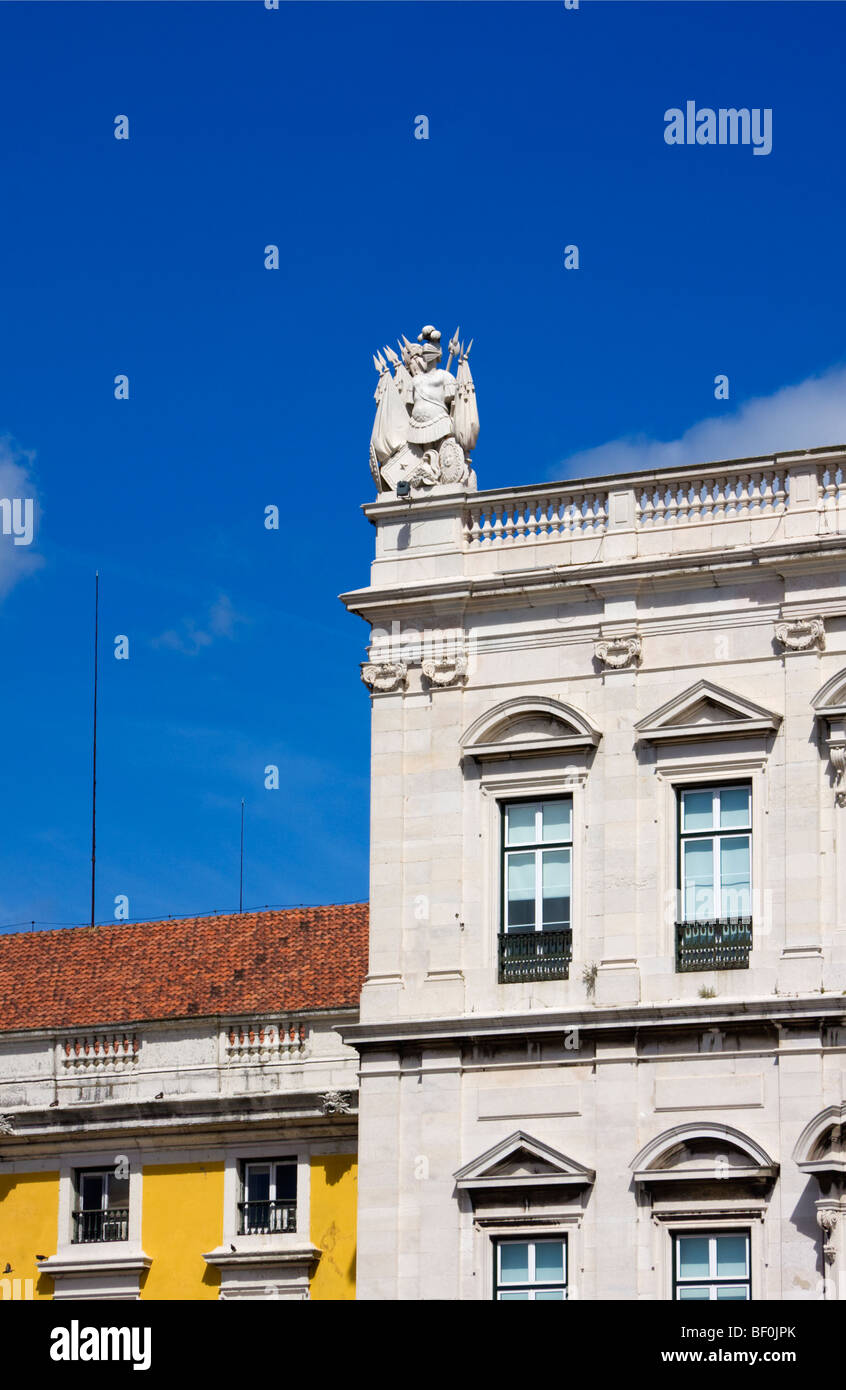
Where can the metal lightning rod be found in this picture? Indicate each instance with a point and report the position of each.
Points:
(241, 890)
(94, 745)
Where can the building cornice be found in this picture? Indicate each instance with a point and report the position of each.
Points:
(160, 1118)
(460, 592)
(679, 1014)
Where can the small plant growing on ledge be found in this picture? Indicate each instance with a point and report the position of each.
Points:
(706, 992)
(589, 975)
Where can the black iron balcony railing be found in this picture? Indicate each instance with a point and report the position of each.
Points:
(267, 1218)
(717, 944)
(100, 1225)
(535, 955)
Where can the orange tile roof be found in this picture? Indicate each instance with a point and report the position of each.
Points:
(253, 962)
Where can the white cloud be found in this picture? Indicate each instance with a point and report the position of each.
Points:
(221, 620)
(16, 561)
(806, 416)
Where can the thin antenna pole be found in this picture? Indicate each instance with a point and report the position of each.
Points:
(94, 744)
(241, 889)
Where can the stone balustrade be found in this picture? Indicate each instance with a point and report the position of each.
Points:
(537, 514)
(675, 498)
(99, 1052)
(783, 499)
(710, 497)
(265, 1042)
(832, 483)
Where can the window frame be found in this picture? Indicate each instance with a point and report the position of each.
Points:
(273, 1163)
(532, 1286)
(107, 1173)
(712, 1281)
(536, 847)
(682, 837)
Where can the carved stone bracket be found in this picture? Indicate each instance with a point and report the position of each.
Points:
(827, 1222)
(385, 676)
(336, 1102)
(801, 634)
(7, 1124)
(837, 753)
(619, 652)
(451, 670)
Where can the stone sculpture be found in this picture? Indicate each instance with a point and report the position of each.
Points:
(426, 422)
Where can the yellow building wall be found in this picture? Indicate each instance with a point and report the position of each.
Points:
(29, 1219)
(182, 1217)
(334, 1183)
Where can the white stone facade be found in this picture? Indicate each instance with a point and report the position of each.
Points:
(614, 641)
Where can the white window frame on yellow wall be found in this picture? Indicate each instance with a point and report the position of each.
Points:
(97, 1269)
(235, 1159)
(264, 1265)
(250, 1168)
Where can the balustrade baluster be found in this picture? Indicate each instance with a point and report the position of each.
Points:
(686, 500)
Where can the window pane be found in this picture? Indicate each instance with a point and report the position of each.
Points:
(286, 1182)
(734, 808)
(693, 1257)
(698, 810)
(696, 1294)
(735, 1291)
(258, 1184)
(557, 817)
(520, 823)
(514, 1263)
(521, 890)
(556, 887)
(549, 1262)
(93, 1191)
(118, 1192)
(731, 1257)
(510, 1297)
(549, 1296)
(698, 871)
(734, 876)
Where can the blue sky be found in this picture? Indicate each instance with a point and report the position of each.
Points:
(250, 387)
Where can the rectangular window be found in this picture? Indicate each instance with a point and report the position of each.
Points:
(537, 849)
(269, 1205)
(537, 852)
(715, 877)
(712, 1267)
(531, 1270)
(101, 1208)
(715, 833)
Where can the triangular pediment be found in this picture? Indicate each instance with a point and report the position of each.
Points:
(706, 710)
(521, 1161)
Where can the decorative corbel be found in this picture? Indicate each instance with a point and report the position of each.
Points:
(384, 676)
(801, 634)
(619, 652)
(448, 670)
(827, 1221)
(336, 1102)
(837, 754)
